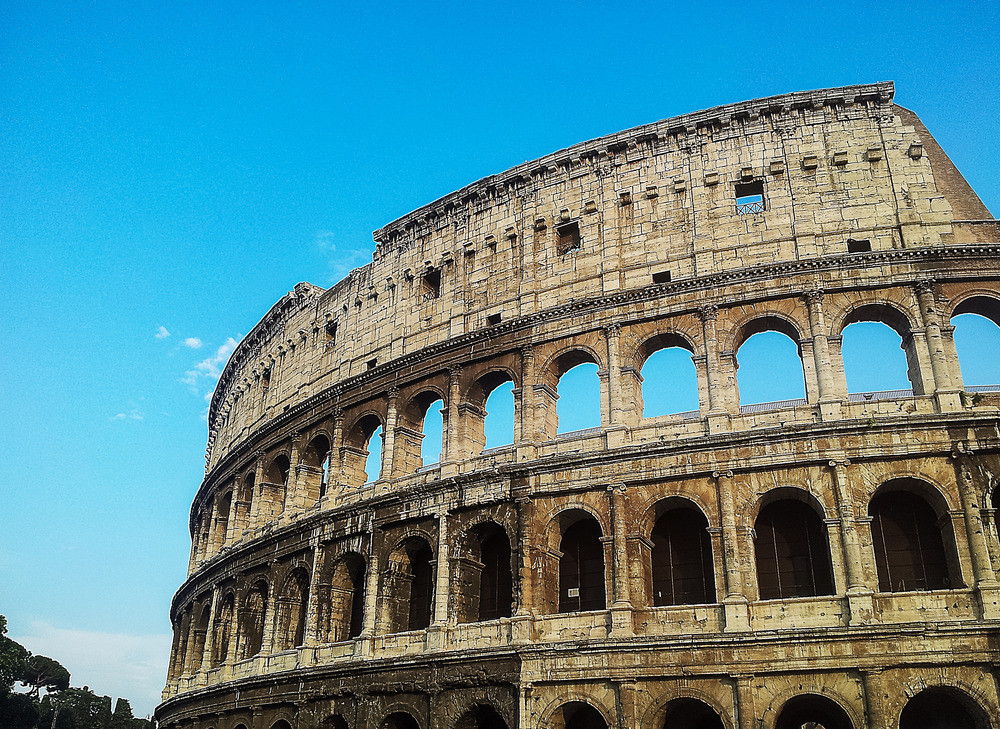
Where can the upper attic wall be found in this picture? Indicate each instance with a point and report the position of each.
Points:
(600, 217)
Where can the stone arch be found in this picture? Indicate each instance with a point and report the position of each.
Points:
(987, 306)
(483, 574)
(984, 303)
(251, 621)
(342, 613)
(578, 714)
(897, 318)
(582, 578)
(356, 449)
(814, 709)
(681, 560)
(481, 716)
(665, 708)
(408, 586)
(202, 619)
(224, 619)
(943, 706)
(473, 414)
(274, 485)
(584, 393)
(244, 501)
(400, 720)
(791, 546)
(314, 468)
(290, 627)
(912, 537)
(410, 428)
(223, 509)
(761, 323)
(661, 346)
(334, 721)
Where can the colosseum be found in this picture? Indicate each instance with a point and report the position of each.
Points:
(823, 561)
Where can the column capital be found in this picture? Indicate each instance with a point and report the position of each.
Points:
(717, 475)
(841, 462)
(454, 374)
(813, 296)
(924, 286)
(613, 330)
(707, 313)
(392, 393)
(617, 488)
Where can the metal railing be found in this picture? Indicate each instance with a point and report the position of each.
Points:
(982, 388)
(879, 395)
(750, 208)
(762, 407)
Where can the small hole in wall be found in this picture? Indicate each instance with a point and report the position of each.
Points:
(331, 332)
(661, 277)
(858, 246)
(431, 284)
(569, 238)
(492, 320)
(370, 364)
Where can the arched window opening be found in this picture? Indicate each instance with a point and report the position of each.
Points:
(432, 444)
(874, 358)
(334, 721)
(222, 509)
(579, 393)
(481, 717)
(871, 362)
(942, 708)
(669, 379)
(362, 453)
(245, 502)
(995, 503)
(484, 575)
(578, 715)
(316, 460)
(909, 547)
(281, 724)
(292, 606)
(277, 472)
(498, 421)
(223, 630)
(681, 556)
(581, 567)
(410, 586)
(345, 614)
(793, 558)
(691, 714)
(977, 340)
(811, 711)
(276, 481)
(252, 621)
(769, 363)
(200, 636)
(400, 720)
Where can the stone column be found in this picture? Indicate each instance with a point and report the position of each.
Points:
(371, 586)
(258, 481)
(829, 396)
(627, 718)
(945, 391)
(310, 636)
(524, 431)
(982, 569)
(389, 433)
(206, 654)
(524, 589)
(442, 576)
(874, 693)
(989, 516)
(859, 593)
(621, 606)
(720, 396)
(270, 621)
(616, 397)
(745, 712)
(452, 450)
(336, 472)
(735, 604)
(293, 498)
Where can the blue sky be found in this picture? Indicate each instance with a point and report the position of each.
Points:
(174, 168)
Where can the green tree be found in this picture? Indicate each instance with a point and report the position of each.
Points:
(18, 711)
(43, 672)
(88, 710)
(122, 717)
(12, 658)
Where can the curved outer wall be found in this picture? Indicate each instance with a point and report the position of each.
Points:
(299, 604)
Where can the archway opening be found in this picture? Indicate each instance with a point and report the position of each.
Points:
(811, 711)
(909, 546)
(681, 558)
(579, 403)
(373, 461)
(432, 443)
(223, 630)
(252, 621)
(484, 575)
(874, 358)
(769, 363)
(581, 567)
(347, 598)
(223, 506)
(481, 717)
(977, 340)
(292, 609)
(669, 379)
(410, 586)
(942, 708)
(334, 721)
(688, 713)
(400, 720)
(316, 459)
(578, 715)
(793, 557)
(498, 421)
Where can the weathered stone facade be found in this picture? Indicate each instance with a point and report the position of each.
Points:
(832, 559)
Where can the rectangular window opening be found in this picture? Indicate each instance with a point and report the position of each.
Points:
(661, 277)
(858, 246)
(331, 332)
(431, 284)
(750, 197)
(370, 364)
(569, 238)
(493, 319)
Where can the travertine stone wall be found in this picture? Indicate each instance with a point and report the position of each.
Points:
(442, 594)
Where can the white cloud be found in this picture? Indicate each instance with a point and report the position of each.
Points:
(210, 368)
(133, 414)
(162, 333)
(193, 342)
(324, 239)
(112, 664)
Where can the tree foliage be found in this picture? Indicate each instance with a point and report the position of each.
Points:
(12, 659)
(42, 672)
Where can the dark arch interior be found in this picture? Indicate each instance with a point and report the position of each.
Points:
(422, 585)
(278, 470)
(691, 714)
(578, 715)
(495, 580)
(347, 601)
(400, 720)
(581, 567)
(909, 549)
(491, 381)
(336, 721)
(880, 313)
(481, 717)
(681, 558)
(793, 559)
(363, 430)
(767, 324)
(317, 451)
(812, 712)
(664, 341)
(568, 360)
(938, 708)
(983, 305)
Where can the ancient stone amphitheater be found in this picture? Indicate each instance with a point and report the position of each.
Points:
(831, 559)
